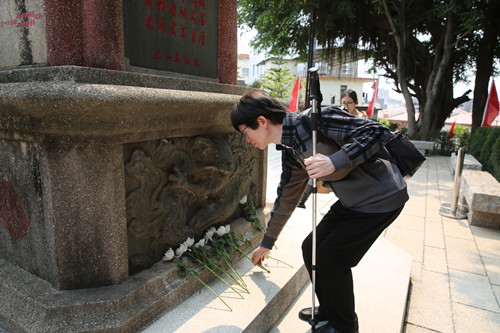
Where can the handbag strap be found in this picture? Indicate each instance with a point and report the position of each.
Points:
(306, 123)
(383, 153)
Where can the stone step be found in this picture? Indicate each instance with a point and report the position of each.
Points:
(270, 295)
(381, 282)
(381, 286)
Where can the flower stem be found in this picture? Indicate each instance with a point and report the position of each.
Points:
(212, 291)
(269, 257)
(235, 271)
(217, 266)
(213, 272)
(260, 266)
(239, 279)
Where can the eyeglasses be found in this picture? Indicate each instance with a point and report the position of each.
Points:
(347, 103)
(243, 130)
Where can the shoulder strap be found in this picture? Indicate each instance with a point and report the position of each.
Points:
(306, 123)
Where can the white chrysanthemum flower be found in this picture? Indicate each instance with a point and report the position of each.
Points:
(221, 231)
(181, 249)
(210, 233)
(169, 255)
(189, 241)
(247, 236)
(243, 200)
(201, 243)
(228, 228)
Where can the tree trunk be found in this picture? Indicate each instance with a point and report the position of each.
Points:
(400, 37)
(484, 62)
(439, 87)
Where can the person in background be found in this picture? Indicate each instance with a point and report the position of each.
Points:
(348, 101)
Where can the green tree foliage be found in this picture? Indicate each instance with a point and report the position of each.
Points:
(392, 126)
(424, 46)
(278, 81)
(255, 84)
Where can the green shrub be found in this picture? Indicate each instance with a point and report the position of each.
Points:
(384, 122)
(485, 147)
(443, 145)
(485, 153)
(392, 126)
(477, 140)
(494, 160)
(462, 137)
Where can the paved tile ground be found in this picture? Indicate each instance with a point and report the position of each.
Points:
(455, 278)
(455, 274)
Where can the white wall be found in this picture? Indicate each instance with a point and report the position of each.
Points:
(331, 86)
(242, 64)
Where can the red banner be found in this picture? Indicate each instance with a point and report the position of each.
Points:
(491, 109)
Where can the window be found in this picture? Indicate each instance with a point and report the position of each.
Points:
(342, 89)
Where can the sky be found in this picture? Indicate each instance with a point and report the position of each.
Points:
(244, 37)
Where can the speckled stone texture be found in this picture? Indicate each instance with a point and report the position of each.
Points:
(228, 42)
(22, 33)
(68, 132)
(481, 191)
(93, 35)
(85, 33)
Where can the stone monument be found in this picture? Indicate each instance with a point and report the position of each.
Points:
(115, 144)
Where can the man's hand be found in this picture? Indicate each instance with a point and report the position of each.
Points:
(259, 254)
(319, 165)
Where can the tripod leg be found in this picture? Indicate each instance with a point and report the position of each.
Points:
(313, 321)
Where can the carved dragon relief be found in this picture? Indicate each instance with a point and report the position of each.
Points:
(180, 187)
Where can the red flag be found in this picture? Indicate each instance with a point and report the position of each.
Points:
(452, 129)
(369, 111)
(294, 103)
(491, 109)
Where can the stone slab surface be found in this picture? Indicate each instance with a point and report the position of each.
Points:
(470, 163)
(462, 283)
(30, 304)
(381, 282)
(100, 113)
(429, 145)
(481, 190)
(381, 286)
(270, 293)
(443, 299)
(79, 74)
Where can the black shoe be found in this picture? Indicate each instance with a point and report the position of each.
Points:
(301, 205)
(328, 329)
(306, 315)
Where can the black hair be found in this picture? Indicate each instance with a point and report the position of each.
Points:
(254, 104)
(350, 93)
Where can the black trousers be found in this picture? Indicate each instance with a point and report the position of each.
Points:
(342, 238)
